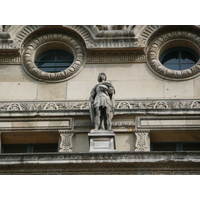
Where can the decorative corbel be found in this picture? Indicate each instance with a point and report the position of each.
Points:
(142, 140)
(65, 144)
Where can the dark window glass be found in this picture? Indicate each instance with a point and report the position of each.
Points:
(163, 146)
(14, 148)
(175, 146)
(29, 148)
(191, 146)
(54, 61)
(179, 58)
(45, 148)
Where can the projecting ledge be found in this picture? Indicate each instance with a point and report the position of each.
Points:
(97, 157)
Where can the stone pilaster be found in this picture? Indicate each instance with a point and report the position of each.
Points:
(65, 143)
(142, 140)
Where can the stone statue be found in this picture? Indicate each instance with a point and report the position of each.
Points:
(102, 104)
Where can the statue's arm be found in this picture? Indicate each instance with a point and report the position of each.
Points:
(110, 89)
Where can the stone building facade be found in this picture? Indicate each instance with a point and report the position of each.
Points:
(44, 113)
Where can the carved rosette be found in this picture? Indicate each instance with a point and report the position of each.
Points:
(28, 57)
(66, 141)
(154, 50)
(142, 140)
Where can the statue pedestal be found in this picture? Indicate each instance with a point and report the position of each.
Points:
(101, 140)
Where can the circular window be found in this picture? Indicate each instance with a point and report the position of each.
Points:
(53, 57)
(54, 61)
(179, 58)
(174, 55)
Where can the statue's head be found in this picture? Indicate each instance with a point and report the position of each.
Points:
(102, 77)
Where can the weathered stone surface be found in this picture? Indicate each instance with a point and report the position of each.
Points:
(18, 90)
(107, 162)
(52, 91)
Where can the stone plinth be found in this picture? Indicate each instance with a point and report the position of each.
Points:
(101, 140)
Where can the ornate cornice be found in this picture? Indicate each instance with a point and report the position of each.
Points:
(142, 104)
(158, 104)
(94, 157)
(91, 35)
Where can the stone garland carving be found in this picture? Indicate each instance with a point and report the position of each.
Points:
(152, 104)
(153, 56)
(115, 57)
(142, 140)
(35, 72)
(84, 105)
(66, 141)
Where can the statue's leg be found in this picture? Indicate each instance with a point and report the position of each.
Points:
(108, 118)
(97, 118)
(102, 118)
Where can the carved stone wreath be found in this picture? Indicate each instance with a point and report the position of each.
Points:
(28, 57)
(154, 50)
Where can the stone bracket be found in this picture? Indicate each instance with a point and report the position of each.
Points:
(65, 143)
(142, 140)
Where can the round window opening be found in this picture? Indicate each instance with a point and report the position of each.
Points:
(54, 61)
(179, 58)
